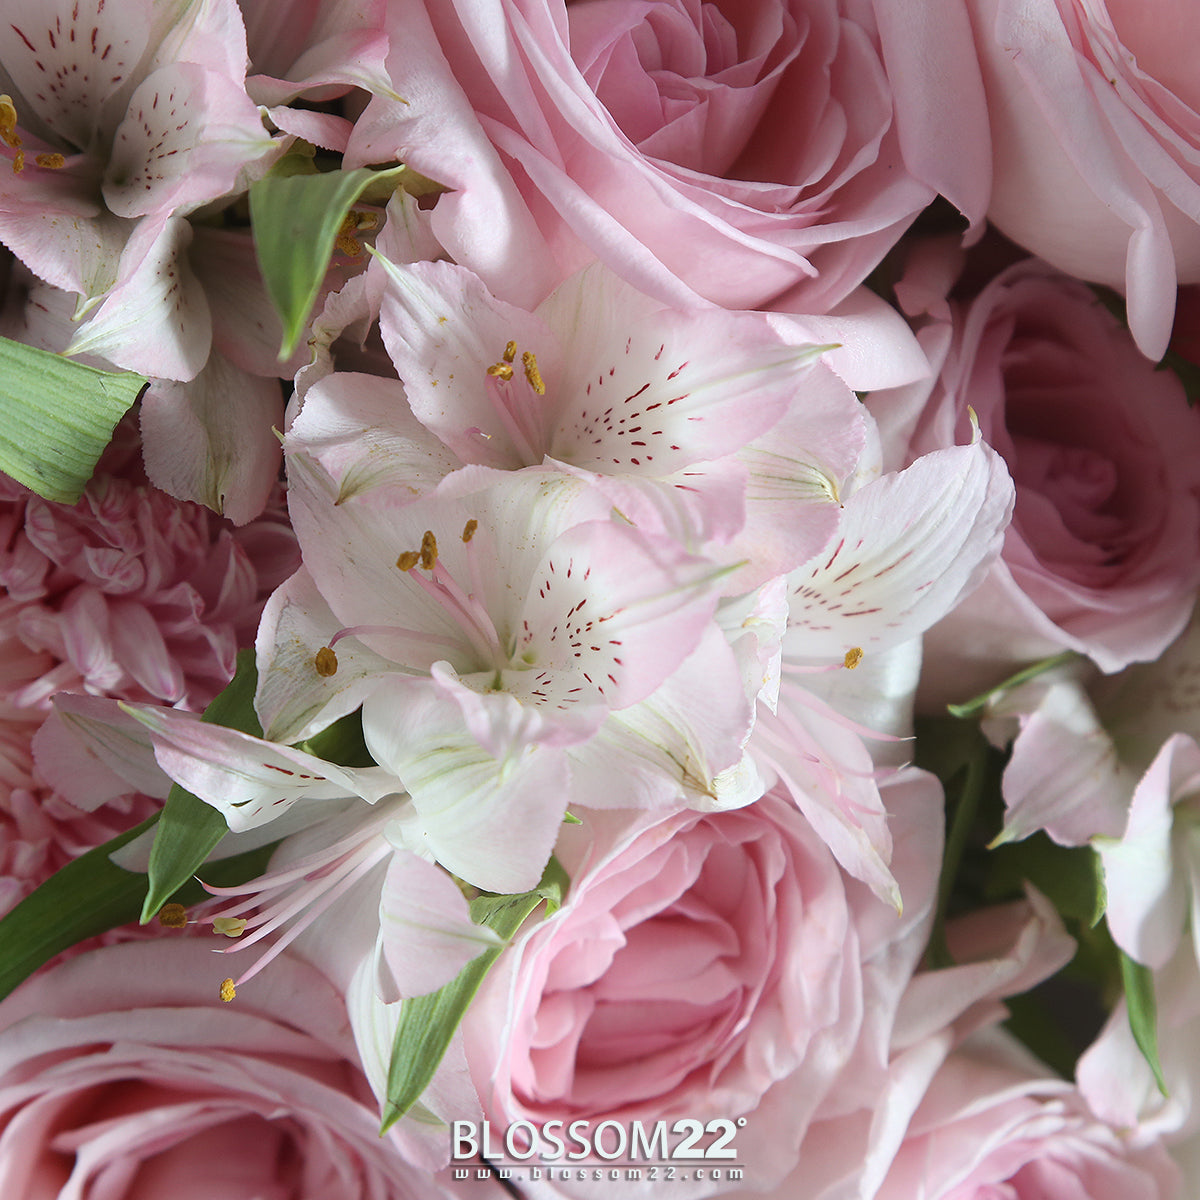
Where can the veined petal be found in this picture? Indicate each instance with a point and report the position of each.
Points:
(444, 330)
(491, 823)
(425, 926)
(361, 430)
(187, 136)
(304, 683)
(156, 319)
(909, 546)
(620, 608)
(210, 440)
(120, 742)
(678, 745)
(249, 780)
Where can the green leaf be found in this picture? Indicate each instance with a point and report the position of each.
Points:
(56, 417)
(1143, 1020)
(980, 702)
(92, 895)
(295, 220)
(427, 1023)
(342, 742)
(1071, 876)
(189, 829)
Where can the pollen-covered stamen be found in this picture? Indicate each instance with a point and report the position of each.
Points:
(325, 662)
(172, 916)
(231, 927)
(228, 991)
(469, 530)
(532, 374)
(853, 657)
(50, 162)
(500, 370)
(510, 352)
(8, 122)
(428, 550)
(408, 560)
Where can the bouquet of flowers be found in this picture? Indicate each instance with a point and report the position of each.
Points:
(631, 564)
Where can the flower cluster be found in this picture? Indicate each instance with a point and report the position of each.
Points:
(611, 434)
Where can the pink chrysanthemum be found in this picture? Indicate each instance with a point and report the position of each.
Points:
(129, 594)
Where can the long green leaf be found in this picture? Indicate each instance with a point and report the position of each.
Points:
(295, 221)
(56, 417)
(427, 1023)
(189, 829)
(92, 895)
(1143, 1015)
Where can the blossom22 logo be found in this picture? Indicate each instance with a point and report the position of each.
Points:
(610, 1141)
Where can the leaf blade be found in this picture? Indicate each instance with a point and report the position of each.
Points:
(295, 220)
(56, 417)
(427, 1023)
(188, 828)
(1142, 1011)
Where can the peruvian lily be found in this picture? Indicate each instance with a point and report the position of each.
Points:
(512, 647)
(121, 120)
(909, 547)
(708, 426)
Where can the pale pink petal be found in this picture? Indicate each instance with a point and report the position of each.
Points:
(121, 743)
(490, 823)
(294, 700)
(910, 546)
(1146, 884)
(156, 320)
(249, 780)
(425, 926)
(187, 137)
(211, 440)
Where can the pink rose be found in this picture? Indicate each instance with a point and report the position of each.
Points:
(729, 151)
(707, 966)
(995, 1123)
(123, 1076)
(1103, 553)
(1095, 117)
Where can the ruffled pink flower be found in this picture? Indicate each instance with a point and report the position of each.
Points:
(1103, 554)
(128, 594)
(122, 1074)
(707, 966)
(995, 1123)
(725, 151)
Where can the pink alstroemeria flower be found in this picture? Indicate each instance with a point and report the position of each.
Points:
(120, 121)
(718, 429)
(511, 647)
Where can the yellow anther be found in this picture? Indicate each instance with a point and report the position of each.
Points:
(172, 916)
(8, 122)
(500, 370)
(853, 658)
(510, 352)
(18, 162)
(51, 162)
(408, 560)
(228, 991)
(231, 927)
(325, 662)
(429, 550)
(345, 240)
(532, 373)
(469, 529)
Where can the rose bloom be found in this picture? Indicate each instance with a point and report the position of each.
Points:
(707, 966)
(1103, 553)
(996, 1125)
(732, 151)
(124, 1077)
(1095, 119)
